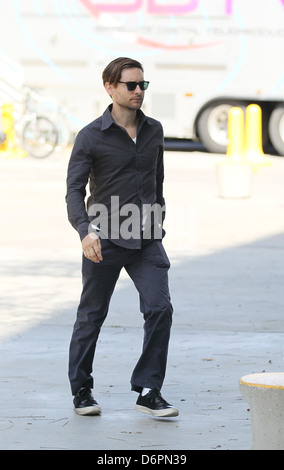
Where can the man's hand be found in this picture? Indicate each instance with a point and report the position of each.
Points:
(92, 248)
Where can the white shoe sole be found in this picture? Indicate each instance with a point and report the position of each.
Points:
(88, 411)
(166, 413)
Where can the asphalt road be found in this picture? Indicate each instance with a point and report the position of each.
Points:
(227, 289)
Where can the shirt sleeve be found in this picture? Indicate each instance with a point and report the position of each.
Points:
(79, 168)
(160, 177)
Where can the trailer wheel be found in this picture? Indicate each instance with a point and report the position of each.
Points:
(212, 127)
(276, 129)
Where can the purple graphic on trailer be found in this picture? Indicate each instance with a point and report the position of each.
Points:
(153, 7)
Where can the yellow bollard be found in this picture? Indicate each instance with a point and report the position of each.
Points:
(8, 126)
(9, 148)
(234, 174)
(236, 134)
(253, 136)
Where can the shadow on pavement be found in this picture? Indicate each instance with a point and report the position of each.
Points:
(228, 322)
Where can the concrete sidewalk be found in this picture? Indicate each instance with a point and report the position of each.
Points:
(227, 290)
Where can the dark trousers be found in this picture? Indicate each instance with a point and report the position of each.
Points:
(148, 268)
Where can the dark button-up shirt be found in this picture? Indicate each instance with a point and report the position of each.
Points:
(117, 169)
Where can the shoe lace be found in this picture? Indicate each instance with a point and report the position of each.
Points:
(155, 396)
(85, 393)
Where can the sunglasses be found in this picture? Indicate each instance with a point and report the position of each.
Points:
(131, 86)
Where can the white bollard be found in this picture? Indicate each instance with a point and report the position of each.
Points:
(234, 179)
(265, 395)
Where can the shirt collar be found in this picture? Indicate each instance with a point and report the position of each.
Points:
(107, 119)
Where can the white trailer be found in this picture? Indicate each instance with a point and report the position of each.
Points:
(210, 55)
(201, 56)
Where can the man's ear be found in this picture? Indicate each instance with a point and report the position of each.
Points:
(108, 88)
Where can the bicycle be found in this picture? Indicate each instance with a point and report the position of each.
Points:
(39, 134)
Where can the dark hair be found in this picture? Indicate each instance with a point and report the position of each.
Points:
(112, 73)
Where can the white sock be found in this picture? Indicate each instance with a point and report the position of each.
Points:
(145, 391)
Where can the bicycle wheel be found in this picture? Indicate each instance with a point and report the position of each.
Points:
(40, 137)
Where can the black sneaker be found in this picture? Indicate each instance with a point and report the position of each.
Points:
(154, 404)
(85, 404)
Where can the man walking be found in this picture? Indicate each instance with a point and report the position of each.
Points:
(120, 154)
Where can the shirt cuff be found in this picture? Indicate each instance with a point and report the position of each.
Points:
(83, 230)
